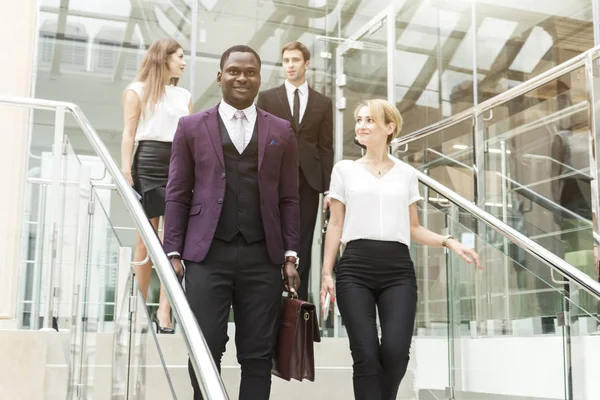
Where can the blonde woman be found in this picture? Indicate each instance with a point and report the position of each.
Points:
(374, 213)
(153, 104)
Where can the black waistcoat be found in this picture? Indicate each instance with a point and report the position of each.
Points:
(241, 204)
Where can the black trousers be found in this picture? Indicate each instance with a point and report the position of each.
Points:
(309, 206)
(377, 274)
(240, 274)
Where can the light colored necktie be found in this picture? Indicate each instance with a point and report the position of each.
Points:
(239, 134)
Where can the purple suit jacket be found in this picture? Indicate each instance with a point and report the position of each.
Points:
(196, 186)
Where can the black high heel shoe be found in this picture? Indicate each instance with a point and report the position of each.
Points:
(160, 329)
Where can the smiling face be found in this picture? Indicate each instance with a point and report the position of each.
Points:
(295, 66)
(176, 64)
(372, 132)
(240, 79)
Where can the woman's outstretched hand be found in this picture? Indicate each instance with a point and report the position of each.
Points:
(464, 252)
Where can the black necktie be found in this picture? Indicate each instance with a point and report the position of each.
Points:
(296, 109)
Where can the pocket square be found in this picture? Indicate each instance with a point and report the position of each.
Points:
(273, 143)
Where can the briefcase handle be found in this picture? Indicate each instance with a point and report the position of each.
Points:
(292, 295)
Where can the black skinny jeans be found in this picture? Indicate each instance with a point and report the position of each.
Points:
(377, 273)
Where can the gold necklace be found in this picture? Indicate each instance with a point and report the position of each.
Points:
(378, 171)
(372, 167)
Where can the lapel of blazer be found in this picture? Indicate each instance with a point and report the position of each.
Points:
(282, 96)
(309, 106)
(264, 134)
(214, 132)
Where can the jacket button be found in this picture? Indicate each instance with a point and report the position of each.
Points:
(223, 175)
(220, 201)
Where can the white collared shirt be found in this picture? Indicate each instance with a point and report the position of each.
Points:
(302, 94)
(227, 112)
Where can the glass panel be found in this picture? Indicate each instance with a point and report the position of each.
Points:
(36, 231)
(70, 247)
(519, 40)
(99, 282)
(432, 311)
(434, 64)
(122, 343)
(492, 303)
(431, 325)
(356, 15)
(585, 331)
(446, 156)
(513, 309)
(440, 44)
(52, 245)
(139, 367)
(148, 374)
(365, 65)
(537, 168)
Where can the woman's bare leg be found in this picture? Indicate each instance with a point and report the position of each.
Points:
(164, 308)
(143, 272)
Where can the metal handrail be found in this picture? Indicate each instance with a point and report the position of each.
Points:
(542, 254)
(519, 90)
(206, 371)
(524, 190)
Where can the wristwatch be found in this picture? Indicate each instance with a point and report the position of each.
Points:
(293, 260)
(172, 256)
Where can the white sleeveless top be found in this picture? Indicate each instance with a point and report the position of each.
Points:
(162, 123)
(376, 208)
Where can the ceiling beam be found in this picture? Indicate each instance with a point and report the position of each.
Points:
(500, 66)
(121, 55)
(59, 38)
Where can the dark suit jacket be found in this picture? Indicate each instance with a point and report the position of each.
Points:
(196, 185)
(315, 135)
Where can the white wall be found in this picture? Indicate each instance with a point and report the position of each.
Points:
(513, 366)
(18, 28)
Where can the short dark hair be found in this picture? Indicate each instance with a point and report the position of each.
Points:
(240, 48)
(297, 46)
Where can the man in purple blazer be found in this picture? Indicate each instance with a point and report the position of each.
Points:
(232, 215)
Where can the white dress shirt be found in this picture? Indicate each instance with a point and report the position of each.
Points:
(227, 112)
(376, 208)
(302, 94)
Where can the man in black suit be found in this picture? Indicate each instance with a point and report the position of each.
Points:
(311, 116)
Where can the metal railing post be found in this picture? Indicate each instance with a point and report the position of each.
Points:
(51, 251)
(479, 199)
(506, 325)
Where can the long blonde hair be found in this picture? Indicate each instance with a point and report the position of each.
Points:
(153, 72)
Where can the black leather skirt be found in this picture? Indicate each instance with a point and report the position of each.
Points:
(150, 171)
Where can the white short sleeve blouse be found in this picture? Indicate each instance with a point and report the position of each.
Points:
(162, 123)
(376, 208)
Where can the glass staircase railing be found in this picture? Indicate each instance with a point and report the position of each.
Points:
(527, 156)
(527, 308)
(77, 284)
